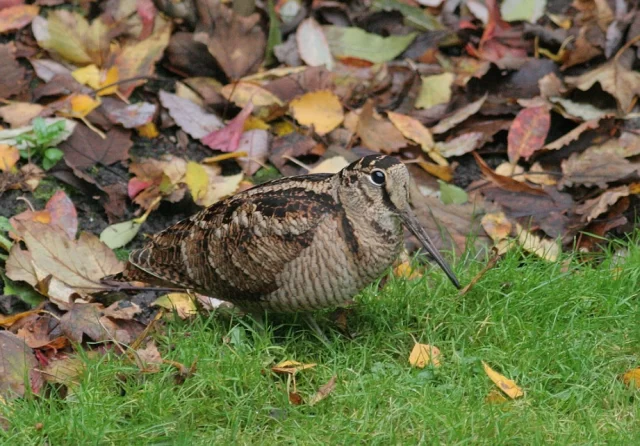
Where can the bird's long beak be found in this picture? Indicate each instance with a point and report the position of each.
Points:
(412, 223)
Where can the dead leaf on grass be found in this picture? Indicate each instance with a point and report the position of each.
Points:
(17, 367)
(290, 367)
(543, 248)
(595, 207)
(425, 354)
(632, 378)
(509, 387)
(182, 303)
(323, 391)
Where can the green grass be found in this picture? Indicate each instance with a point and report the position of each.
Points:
(564, 337)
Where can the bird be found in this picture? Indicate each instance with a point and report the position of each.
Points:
(294, 244)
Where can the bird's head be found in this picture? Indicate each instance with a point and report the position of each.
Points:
(382, 183)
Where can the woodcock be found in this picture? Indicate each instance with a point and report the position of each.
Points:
(294, 244)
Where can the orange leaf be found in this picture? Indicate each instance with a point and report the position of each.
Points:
(528, 132)
(632, 378)
(424, 354)
(509, 387)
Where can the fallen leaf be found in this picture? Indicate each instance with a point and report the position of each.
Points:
(516, 10)
(66, 371)
(312, 44)
(537, 175)
(323, 391)
(452, 194)
(20, 114)
(17, 17)
(255, 143)
(227, 138)
(632, 378)
(351, 42)
(616, 79)
(139, 58)
(413, 129)
(460, 145)
(423, 355)
(497, 225)
(17, 367)
(378, 134)
(182, 303)
(495, 397)
(597, 166)
(528, 132)
(460, 115)
(69, 35)
(595, 207)
(509, 387)
(88, 319)
(321, 109)
(543, 248)
(220, 186)
(150, 357)
(191, 118)
(85, 148)
(12, 74)
(505, 182)
(435, 90)
(79, 264)
(406, 271)
(241, 93)
(330, 165)
(129, 116)
(237, 43)
(573, 134)
(197, 180)
(59, 211)
(9, 156)
(291, 367)
(119, 234)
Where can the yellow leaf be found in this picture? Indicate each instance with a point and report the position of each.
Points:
(509, 387)
(634, 188)
(435, 90)
(89, 75)
(632, 378)
(182, 303)
(253, 123)
(544, 248)
(9, 156)
(413, 129)
(148, 130)
(110, 77)
(445, 173)
(81, 105)
(405, 270)
(424, 354)
(197, 180)
(283, 128)
(242, 92)
(291, 367)
(495, 397)
(320, 109)
(220, 186)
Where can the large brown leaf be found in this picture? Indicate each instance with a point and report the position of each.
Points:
(68, 266)
(17, 367)
(238, 43)
(85, 148)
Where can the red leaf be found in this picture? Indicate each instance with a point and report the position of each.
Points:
(227, 139)
(528, 132)
(63, 213)
(136, 186)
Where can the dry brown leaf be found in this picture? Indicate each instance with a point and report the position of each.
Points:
(459, 116)
(423, 355)
(378, 134)
(595, 207)
(20, 114)
(17, 17)
(66, 371)
(139, 58)
(537, 175)
(150, 358)
(596, 166)
(290, 367)
(573, 134)
(461, 145)
(75, 265)
(237, 43)
(85, 148)
(323, 391)
(17, 367)
(88, 319)
(413, 129)
(497, 225)
(509, 387)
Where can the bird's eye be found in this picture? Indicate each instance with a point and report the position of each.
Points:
(378, 177)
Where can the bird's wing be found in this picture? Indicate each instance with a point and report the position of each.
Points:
(239, 246)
